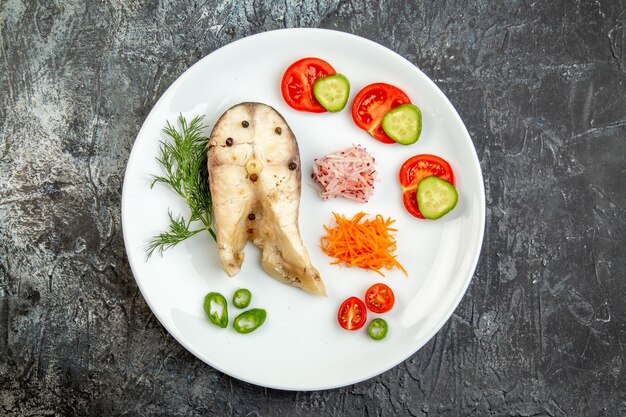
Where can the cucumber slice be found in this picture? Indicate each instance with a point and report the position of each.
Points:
(403, 124)
(332, 92)
(435, 197)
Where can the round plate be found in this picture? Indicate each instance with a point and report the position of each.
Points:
(301, 346)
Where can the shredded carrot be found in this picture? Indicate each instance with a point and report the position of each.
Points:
(362, 242)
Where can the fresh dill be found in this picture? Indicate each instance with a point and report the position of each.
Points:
(183, 156)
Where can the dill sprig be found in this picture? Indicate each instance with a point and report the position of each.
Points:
(183, 156)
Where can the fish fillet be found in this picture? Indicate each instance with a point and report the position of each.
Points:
(255, 178)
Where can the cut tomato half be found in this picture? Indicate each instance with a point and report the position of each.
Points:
(352, 314)
(416, 169)
(372, 103)
(379, 298)
(298, 80)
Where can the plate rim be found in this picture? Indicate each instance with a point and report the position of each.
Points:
(475, 166)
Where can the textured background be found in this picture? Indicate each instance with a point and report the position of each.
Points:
(541, 87)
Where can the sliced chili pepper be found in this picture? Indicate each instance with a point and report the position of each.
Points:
(219, 315)
(249, 320)
(242, 298)
(378, 329)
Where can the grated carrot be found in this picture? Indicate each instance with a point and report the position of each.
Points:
(361, 242)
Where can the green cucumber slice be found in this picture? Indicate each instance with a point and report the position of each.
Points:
(332, 92)
(403, 124)
(435, 197)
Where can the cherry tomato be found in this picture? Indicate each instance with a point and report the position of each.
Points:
(379, 298)
(298, 80)
(416, 169)
(352, 314)
(372, 103)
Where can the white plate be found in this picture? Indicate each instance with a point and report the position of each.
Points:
(301, 346)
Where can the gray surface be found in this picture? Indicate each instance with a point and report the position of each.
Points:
(542, 89)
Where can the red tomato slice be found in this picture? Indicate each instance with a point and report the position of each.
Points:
(352, 314)
(372, 103)
(298, 80)
(379, 298)
(416, 169)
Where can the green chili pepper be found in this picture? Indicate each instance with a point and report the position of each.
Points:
(242, 298)
(218, 316)
(250, 320)
(378, 329)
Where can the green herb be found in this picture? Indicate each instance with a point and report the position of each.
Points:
(183, 157)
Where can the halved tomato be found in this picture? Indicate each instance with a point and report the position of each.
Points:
(352, 314)
(416, 169)
(379, 298)
(298, 80)
(372, 103)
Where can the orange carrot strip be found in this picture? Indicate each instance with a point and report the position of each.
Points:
(365, 243)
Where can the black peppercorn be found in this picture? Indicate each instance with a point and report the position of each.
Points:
(229, 142)
(251, 216)
(254, 177)
(293, 166)
(245, 123)
(278, 130)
